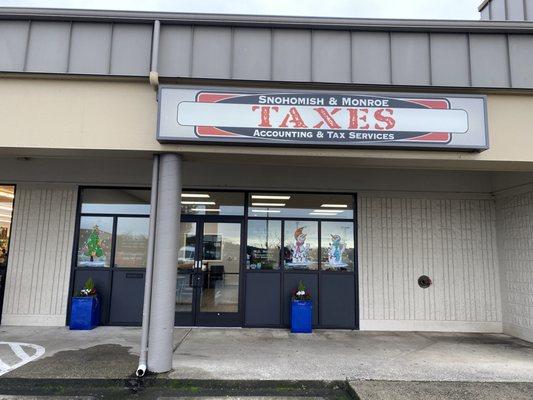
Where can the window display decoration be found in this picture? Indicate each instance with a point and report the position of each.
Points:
(299, 249)
(336, 252)
(95, 249)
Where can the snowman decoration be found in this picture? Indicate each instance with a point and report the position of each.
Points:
(300, 250)
(336, 250)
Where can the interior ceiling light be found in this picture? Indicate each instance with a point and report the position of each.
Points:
(197, 195)
(328, 211)
(322, 213)
(207, 203)
(8, 208)
(268, 197)
(206, 209)
(266, 211)
(334, 205)
(268, 204)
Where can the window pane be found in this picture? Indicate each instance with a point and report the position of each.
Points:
(7, 194)
(220, 267)
(212, 203)
(116, 201)
(264, 244)
(301, 245)
(94, 246)
(315, 206)
(186, 257)
(132, 242)
(337, 246)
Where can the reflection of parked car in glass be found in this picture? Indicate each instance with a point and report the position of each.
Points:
(186, 257)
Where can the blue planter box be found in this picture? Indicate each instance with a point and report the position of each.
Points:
(301, 316)
(85, 313)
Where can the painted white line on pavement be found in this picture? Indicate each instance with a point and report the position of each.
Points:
(18, 350)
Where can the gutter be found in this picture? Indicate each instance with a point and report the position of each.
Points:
(483, 5)
(269, 21)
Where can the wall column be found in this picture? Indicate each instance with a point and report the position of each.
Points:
(160, 339)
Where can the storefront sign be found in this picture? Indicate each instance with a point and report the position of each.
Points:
(321, 118)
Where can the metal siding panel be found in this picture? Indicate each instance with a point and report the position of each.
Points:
(529, 10)
(515, 10)
(175, 45)
(489, 60)
(291, 55)
(497, 10)
(410, 58)
(131, 49)
(212, 52)
(13, 39)
(89, 48)
(521, 60)
(262, 301)
(252, 51)
(371, 57)
(48, 47)
(331, 56)
(449, 59)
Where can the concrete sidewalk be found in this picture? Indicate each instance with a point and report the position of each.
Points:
(275, 354)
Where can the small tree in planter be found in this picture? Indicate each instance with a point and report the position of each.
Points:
(85, 310)
(301, 310)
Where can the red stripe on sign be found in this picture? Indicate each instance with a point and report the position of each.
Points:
(212, 131)
(214, 97)
(440, 137)
(431, 103)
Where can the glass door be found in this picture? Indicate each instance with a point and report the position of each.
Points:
(209, 263)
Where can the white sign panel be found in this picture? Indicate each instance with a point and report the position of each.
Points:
(304, 118)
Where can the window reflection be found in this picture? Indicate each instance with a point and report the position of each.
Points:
(337, 247)
(115, 201)
(7, 194)
(220, 267)
(132, 242)
(300, 249)
(186, 258)
(263, 245)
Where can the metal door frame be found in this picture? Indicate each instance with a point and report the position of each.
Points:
(196, 317)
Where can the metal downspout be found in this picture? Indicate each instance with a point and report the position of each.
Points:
(154, 75)
(141, 369)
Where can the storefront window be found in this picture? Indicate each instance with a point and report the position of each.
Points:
(212, 203)
(7, 195)
(300, 249)
(337, 247)
(298, 205)
(115, 201)
(95, 241)
(132, 242)
(264, 244)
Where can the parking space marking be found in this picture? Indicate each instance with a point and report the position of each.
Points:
(18, 351)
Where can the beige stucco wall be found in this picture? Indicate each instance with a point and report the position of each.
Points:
(45, 116)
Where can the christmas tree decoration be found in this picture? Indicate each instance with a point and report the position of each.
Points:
(94, 248)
